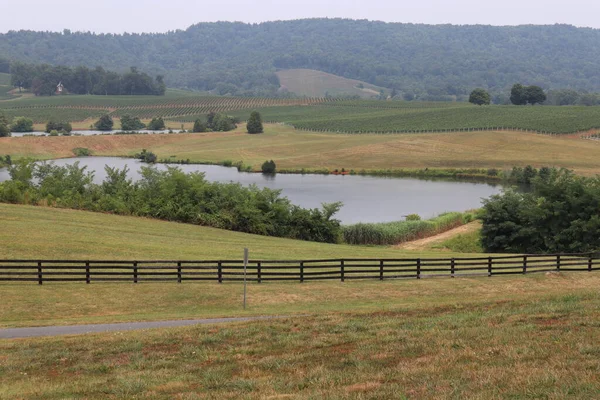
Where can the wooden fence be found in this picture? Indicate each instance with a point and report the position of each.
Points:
(40, 271)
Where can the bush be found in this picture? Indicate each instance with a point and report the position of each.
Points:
(146, 156)
(58, 126)
(82, 152)
(105, 123)
(558, 214)
(156, 124)
(268, 167)
(129, 123)
(22, 124)
(53, 132)
(174, 196)
(413, 217)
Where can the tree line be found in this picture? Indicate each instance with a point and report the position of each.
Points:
(446, 62)
(42, 80)
(170, 195)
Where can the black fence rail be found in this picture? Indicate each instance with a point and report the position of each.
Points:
(40, 271)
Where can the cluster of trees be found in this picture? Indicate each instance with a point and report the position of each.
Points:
(21, 124)
(559, 214)
(220, 122)
(4, 126)
(42, 80)
(241, 59)
(58, 126)
(521, 95)
(171, 195)
(570, 97)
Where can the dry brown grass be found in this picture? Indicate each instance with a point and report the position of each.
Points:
(295, 150)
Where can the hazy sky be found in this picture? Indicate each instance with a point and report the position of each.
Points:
(160, 16)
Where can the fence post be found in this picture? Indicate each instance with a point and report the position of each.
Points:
(219, 272)
(258, 272)
(342, 270)
(452, 267)
(87, 272)
(590, 261)
(301, 271)
(418, 268)
(40, 279)
(135, 272)
(558, 262)
(179, 272)
(524, 264)
(489, 266)
(381, 270)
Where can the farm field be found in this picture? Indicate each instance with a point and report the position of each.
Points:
(312, 113)
(317, 151)
(313, 83)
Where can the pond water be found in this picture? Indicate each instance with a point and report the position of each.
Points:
(365, 198)
(87, 133)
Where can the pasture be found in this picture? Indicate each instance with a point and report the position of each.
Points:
(293, 150)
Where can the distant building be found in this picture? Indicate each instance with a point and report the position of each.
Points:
(59, 88)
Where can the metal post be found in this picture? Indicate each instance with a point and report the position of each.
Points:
(245, 268)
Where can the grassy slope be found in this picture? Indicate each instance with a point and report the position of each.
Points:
(312, 83)
(295, 150)
(518, 338)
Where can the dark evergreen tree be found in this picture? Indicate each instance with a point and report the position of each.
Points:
(254, 124)
(105, 123)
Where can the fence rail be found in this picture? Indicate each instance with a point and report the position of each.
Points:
(88, 271)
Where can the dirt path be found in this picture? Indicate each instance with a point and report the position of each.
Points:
(424, 244)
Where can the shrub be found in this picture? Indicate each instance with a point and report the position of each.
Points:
(82, 152)
(22, 124)
(268, 167)
(146, 156)
(53, 132)
(58, 126)
(413, 217)
(156, 124)
(105, 123)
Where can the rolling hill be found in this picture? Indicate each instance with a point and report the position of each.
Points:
(428, 62)
(312, 83)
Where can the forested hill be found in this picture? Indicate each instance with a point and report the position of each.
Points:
(425, 60)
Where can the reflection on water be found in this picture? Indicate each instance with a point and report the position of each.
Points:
(365, 198)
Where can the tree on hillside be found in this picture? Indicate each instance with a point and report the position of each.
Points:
(22, 124)
(4, 128)
(254, 124)
(480, 97)
(535, 95)
(105, 123)
(517, 95)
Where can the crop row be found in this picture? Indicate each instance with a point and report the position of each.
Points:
(43, 115)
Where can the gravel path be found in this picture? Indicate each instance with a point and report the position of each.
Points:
(17, 333)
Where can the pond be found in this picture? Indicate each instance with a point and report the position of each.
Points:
(87, 133)
(365, 198)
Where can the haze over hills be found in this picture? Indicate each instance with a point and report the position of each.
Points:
(429, 62)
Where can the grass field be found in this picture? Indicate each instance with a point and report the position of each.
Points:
(312, 83)
(517, 338)
(296, 150)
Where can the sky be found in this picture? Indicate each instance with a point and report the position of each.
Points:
(117, 16)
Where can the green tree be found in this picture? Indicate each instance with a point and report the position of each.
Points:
(480, 97)
(22, 124)
(254, 124)
(105, 123)
(58, 126)
(199, 126)
(4, 128)
(535, 95)
(156, 124)
(129, 123)
(268, 167)
(518, 95)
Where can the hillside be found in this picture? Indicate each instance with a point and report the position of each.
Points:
(312, 83)
(426, 61)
